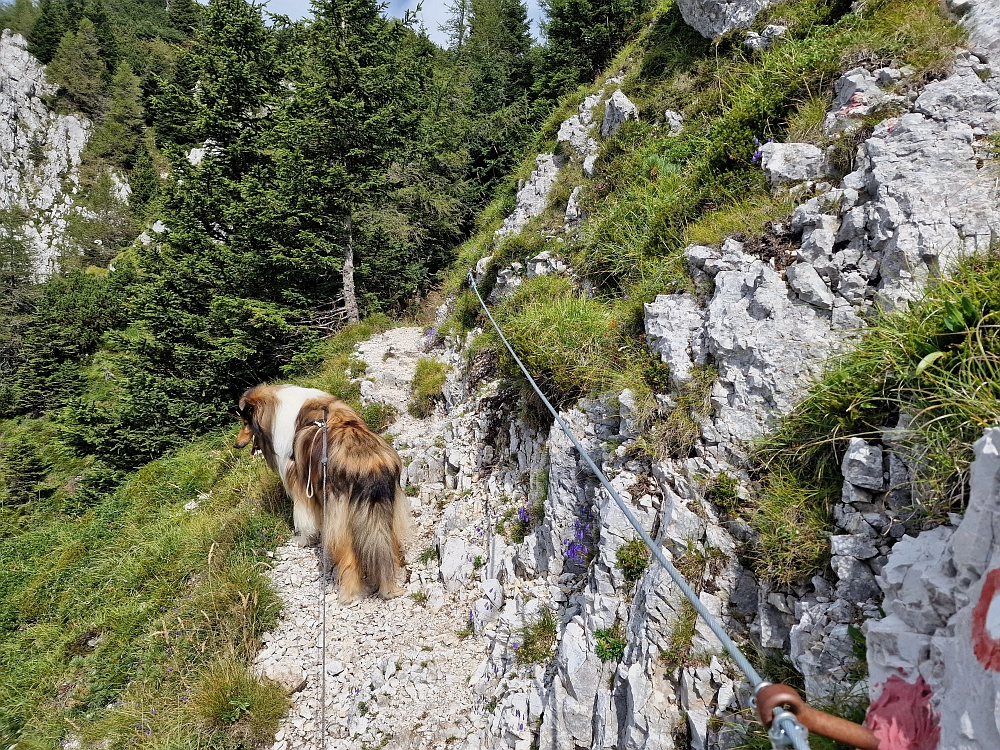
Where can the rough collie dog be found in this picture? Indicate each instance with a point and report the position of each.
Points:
(364, 518)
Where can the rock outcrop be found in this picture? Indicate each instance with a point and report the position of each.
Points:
(712, 18)
(942, 605)
(39, 157)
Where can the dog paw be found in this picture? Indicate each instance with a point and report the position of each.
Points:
(391, 593)
(301, 540)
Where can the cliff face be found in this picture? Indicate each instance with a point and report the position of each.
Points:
(923, 195)
(39, 157)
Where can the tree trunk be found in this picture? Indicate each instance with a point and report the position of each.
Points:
(350, 299)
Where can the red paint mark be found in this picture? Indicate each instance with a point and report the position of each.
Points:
(902, 717)
(985, 646)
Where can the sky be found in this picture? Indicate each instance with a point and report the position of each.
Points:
(432, 14)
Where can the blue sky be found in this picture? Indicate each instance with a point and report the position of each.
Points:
(432, 14)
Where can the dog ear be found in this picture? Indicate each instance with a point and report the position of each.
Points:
(245, 407)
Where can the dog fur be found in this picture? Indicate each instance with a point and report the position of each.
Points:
(364, 519)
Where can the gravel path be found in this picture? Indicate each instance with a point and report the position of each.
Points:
(397, 673)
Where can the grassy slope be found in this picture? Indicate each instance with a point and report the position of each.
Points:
(125, 617)
(656, 194)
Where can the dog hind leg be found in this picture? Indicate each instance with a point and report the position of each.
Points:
(338, 544)
(376, 546)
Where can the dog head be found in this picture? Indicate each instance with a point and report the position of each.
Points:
(250, 432)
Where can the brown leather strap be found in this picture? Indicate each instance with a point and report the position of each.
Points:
(771, 697)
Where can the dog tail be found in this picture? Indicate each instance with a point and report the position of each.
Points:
(379, 518)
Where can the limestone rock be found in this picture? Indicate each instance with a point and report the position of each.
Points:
(291, 678)
(674, 324)
(862, 465)
(856, 94)
(675, 121)
(940, 590)
(39, 155)
(576, 131)
(619, 109)
(533, 196)
(712, 18)
(765, 39)
(574, 211)
(786, 163)
(804, 279)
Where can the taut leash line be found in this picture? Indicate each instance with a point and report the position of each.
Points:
(324, 458)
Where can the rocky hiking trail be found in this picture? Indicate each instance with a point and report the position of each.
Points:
(397, 673)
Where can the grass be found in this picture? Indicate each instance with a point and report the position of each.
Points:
(724, 492)
(678, 651)
(135, 619)
(938, 362)
(574, 344)
(676, 431)
(428, 554)
(538, 639)
(425, 391)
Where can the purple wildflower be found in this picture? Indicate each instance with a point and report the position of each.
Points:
(523, 515)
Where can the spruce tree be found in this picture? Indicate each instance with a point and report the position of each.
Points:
(116, 139)
(21, 469)
(185, 16)
(78, 69)
(352, 115)
(582, 37)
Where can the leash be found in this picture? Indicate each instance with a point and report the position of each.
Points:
(324, 458)
(785, 729)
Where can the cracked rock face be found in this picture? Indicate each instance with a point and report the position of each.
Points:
(533, 196)
(39, 155)
(930, 197)
(942, 596)
(712, 18)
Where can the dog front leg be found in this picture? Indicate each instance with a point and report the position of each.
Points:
(306, 520)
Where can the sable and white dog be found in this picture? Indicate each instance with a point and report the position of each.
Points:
(364, 518)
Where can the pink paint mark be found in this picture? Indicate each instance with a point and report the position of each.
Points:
(902, 717)
(986, 644)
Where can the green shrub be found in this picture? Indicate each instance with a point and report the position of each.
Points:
(425, 391)
(632, 559)
(610, 643)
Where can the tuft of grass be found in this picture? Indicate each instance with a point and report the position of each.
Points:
(610, 643)
(574, 344)
(419, 597)
(425, 391)
(678, 651)
(428, 554)
(378, 416)
(230, 699)
(633, 559)
(538, 639)
(676, 433)
(412, 490)
(723, 491)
